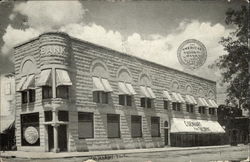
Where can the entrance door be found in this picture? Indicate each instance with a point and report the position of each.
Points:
(50, 138)
(166, 136)
(62, 137)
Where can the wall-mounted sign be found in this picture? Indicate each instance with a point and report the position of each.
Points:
(192, 54)
(52, 50)
(31, 134)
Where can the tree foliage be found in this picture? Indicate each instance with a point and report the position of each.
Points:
(234, 65)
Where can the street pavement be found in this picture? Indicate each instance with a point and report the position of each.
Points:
(196, 154)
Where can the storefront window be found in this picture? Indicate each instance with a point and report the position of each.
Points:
(136, 126)
(155, 126)
(113, 125)
(30, 135)
(85, 125)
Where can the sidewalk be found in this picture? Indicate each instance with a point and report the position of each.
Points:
(52, 155)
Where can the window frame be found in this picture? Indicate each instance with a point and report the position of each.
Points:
(146, 102)
(119, 125)
(60, 90)
(140, 119)
(48, 90)
(89, 121)
(159, 126)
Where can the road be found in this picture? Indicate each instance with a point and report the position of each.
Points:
(232, 154)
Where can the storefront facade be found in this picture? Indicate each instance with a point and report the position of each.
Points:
(73, 95)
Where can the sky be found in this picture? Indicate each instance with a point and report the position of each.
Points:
(152, 30)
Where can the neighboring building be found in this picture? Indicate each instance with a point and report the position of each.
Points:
(7, 100)
(77, 96)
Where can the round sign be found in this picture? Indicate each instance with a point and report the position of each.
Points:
(192, 54)
(31, 135)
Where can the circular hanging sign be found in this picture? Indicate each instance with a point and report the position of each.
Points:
(192, 54)
(31, 134)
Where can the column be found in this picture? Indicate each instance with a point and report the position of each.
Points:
(55, 130)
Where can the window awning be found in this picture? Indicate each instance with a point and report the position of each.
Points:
(188, 99)
(130, 88)
(212, 103)
(97, 84)
(167, 96)
(179, 125)
(181, 98)
(62, 78)
(29, 83)
(215, 104)
(194, 101)
(21, 83)
(176, 97)
(123, 89)
(45, 78)
(144, 92)
(106, 85)
(202, 102)
(151, 93)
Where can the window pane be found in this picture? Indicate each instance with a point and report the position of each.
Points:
(62, 92)
(105, 97)
(129, 100)
(178, 106)
(174, 105)
(63, 115)
(48, 116)
(96, 96)
(113, 125)
(24, 96)
(85, 125)
(32, 95)
(166, 105)
(121, 100)
(155, 126)
(149, 104)
(143, 102)
(46, 92)
(187, 105)
(136, 127)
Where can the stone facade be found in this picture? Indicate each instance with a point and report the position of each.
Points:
(83, 60)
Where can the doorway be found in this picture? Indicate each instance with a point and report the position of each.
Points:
(62, 138)
(166, 136)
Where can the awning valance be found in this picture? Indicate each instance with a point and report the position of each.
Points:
(123, 89)
(166, 96)
(21, 83)
(62, 78)
(179, 125)
(130, 88)
(176, 97)
(29, 83)
(45, 78)
(180, 97)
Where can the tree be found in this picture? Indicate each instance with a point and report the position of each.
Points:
(234, 65)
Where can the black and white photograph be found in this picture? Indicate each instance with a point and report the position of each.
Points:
(124, 81)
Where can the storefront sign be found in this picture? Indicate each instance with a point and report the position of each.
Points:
(197, 126)
(31, 135)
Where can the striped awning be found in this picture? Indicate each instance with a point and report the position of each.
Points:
(21, 83)
(97, 84)
(151, 93)
(29, 83)
(212, 103)
(166, 96)
(202, 102)
(123, 90)
(62, 78)
(106, 85)
(144, 92)
(45, 78)
(130, 88)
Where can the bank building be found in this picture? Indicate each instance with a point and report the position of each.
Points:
(73, 95)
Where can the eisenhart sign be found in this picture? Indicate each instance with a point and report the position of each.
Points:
(196, 125)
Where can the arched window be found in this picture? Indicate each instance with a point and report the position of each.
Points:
(147, 94)
(177, 97)
(126, 90)
(26, 84)
(101, 86)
